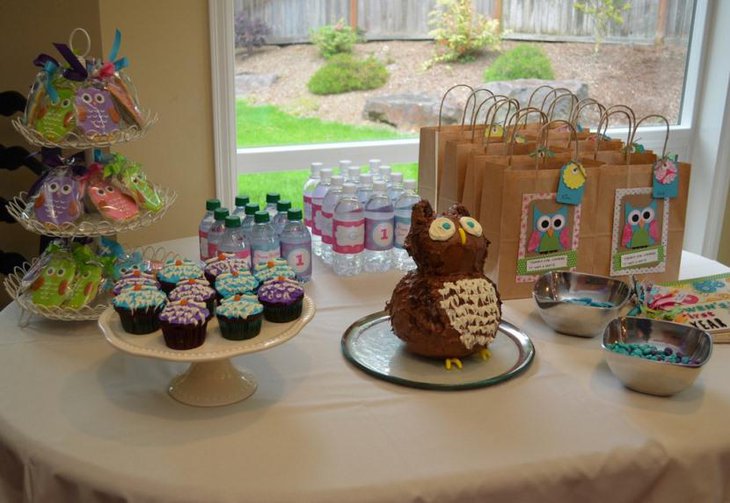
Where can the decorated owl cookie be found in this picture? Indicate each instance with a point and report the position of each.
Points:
(96, 113)
(110, 201)
(53, 286)
(59, 199)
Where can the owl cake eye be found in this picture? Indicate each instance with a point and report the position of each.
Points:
(100, 191)
(50, 270)
(66, 189)
(86, 97)
(66, 103)
(441, 229)
(99, 98)
(471, 226)
(53, 186)
(60, 271)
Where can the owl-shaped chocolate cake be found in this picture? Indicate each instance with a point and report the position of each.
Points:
(446, 308)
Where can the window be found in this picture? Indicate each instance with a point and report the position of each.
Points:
(703, 74)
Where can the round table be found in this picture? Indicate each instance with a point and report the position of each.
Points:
(80, 421)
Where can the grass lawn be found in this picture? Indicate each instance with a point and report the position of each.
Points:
(265, 125)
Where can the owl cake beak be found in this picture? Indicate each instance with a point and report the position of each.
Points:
(463, 236)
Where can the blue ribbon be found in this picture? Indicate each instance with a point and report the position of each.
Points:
(50, 66)
(121, 62)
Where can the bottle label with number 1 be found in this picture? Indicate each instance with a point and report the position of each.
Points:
(299, 258)
(378, 234)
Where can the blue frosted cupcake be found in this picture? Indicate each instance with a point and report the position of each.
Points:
(138, 307)
(273, 269)
(230, 283)
(240, 317)
(223, 263)
(184, 323)
(177, 270)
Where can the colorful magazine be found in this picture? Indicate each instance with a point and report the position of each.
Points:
(701, 302)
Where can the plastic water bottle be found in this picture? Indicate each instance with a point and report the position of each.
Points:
(296, 245)
(374, 168)
(396, 186)
(365, 188)
(344, 165)
(378, 230)
(385, 172)
(233, 241)
(247, 222)
(328, 210)
(308, 189)
(280, 219)
(320, 191)
(353, 175)
(264, 243)
(215, 234)
(403, 210)
(348, 229)
(205, 224)
(240, 209)
(271, 199)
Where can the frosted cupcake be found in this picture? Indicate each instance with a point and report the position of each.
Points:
(240, 317)
(282, 300)
(132, 278)
(138, 307)
(177, 270)
(223, 263)
(231, 283)
(197, 290)
(184, 323)
(273, 269)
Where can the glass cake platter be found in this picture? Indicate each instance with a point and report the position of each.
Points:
(371, 345)
(211, 380)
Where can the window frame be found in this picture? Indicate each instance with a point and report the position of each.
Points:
(705, 69)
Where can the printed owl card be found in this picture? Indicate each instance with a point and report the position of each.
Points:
(640, 230)
(549, 233)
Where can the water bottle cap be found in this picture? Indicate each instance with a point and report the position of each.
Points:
(349, 188)
(366, 178)
(379, 186)
(220, 213)
(325, 172)
(396, 177)
(252, 208)
(294, 214)
(374, 163)
(315, 167)
(337, 180)
(261, 217)
(410, 184)
(242, 200)
(212, 204)
(232, 221)
(345, 163)
(353, 172)
(272, 197)
(385, 169)
(283, 205)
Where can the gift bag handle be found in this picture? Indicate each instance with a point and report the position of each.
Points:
(475, 108)
(491, 117)
(498, 99)
(557, 94)
(517, 117)
(533, 94)
(603, 126)
(666, 136)
(475, 115)
(545, 130)
(573, 101)
(443, 99)
(584, 103)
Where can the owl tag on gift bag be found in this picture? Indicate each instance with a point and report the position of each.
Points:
(665, 179)
(571, 183)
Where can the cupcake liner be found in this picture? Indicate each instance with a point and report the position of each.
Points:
(183, 336)
(139, 321)
(238, 329)
(278, 313)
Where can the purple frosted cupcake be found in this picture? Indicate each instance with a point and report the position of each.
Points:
(282, 300)
(240, 317)
(223, 263)
(197, 290)
(132, 278)
(184, 323)
(177, 270)
(138, 307)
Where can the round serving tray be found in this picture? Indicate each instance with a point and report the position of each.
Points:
(91, 224)
(371, 346)
(211, 379)
(75, 141)
(13, 285)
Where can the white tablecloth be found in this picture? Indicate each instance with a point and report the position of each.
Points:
(80, 421)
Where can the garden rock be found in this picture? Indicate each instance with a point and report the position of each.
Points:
(410, 111)
(521, 89)
(247, 82)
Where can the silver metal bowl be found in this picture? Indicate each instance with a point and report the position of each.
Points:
(557, 293)
(656, 377)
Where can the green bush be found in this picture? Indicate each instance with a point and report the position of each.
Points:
(343, 73)
(522, 62)
(461, 33)
(334, 39)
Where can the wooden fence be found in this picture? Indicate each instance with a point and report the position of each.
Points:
(647, 21)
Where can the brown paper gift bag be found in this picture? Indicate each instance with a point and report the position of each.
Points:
(637, 234)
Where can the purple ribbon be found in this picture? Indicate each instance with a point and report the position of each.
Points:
(77, 71)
